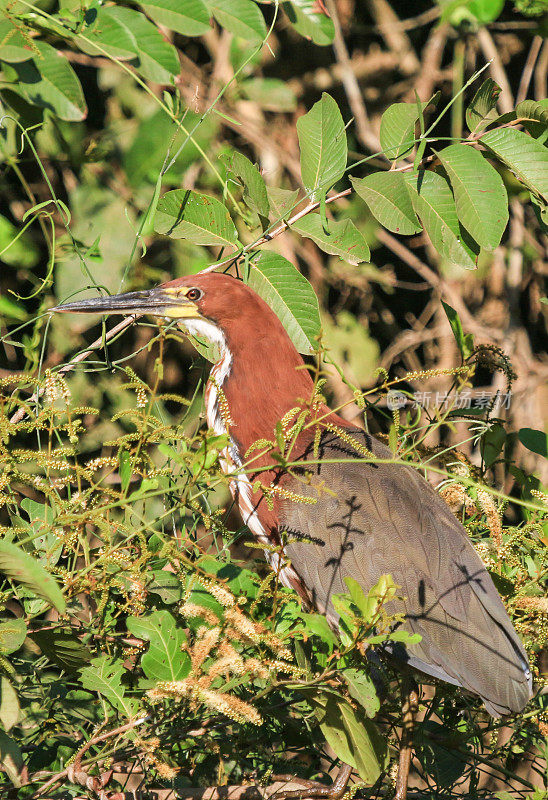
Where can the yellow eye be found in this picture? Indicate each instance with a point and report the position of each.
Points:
(194, 294)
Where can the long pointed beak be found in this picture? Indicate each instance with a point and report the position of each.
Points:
(157, 302)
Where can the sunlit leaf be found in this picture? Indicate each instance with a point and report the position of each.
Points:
(48, 81)
(434, 205)
(12, 635)
(480, 196)
(397, 131)
(362, 689)
(13, 45)
(10, 710)
(24, 569)
(164, 660)
(240, 17)
(158, 59)
(482, 108)
(108, 35)
(527, 158)
(322, 139)
(104, 675)
(343, 239)
(290, 296)
(184, 214)
(255, 195)
(310, 19)
(189, 17)
(535, 441)
(387, 197)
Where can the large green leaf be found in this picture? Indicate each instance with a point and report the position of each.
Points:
(189, 17)
(184, 214)
(434, 205)
(64, 649)
(535, 441)
(108, 35)
(480, 195)
(104, 676)
(354, 738)
(386, 195)
(526, 157)
(240, 17)
(48, 81)
(12, 635)
(322, 139)
(45, 540)
(397, 132)
(13, 45)
(482, 108)
(290, 296)
(164, 659)
(362, 689)
(255, 195)
(11, 758)
(10, 710)
(311, 21)
(158, 59)
(343, 240)
(22, 568)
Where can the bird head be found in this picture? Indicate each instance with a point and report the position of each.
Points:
(209, 304)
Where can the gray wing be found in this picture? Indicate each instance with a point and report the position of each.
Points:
(380, 519)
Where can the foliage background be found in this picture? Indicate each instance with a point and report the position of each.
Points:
(100, 147)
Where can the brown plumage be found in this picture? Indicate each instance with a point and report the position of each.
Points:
(376, 518)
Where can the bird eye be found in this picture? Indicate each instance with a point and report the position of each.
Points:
(194, 294)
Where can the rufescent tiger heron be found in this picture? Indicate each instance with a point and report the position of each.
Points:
(370, 518)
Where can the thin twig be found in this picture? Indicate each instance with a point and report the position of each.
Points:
(351, 86)
(126, 322)
(527, 73)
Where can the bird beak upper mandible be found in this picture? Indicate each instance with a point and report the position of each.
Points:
(158, 302)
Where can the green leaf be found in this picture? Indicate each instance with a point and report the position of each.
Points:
(10, 710)
(104, 676)
(353, 737)
(13, 45)
(44, 539)
(290, 296)
(362, 689)
(64, 649)
(481, 109)
(349, 341)
(434, 205)
(322, 139)
(388, 199)
(112, 35)
(49, 81)
(527, 158)
(491, 443)
(464, 342)
(167, 586)
(184, 214)
(255, 196)
(397, 132)
(318, 625)
(11, 758)
(535, 441)
(164, 659)
(271, 94)
(189, 17)
(311, 21)
(13, 633)
(282, 201)
(343, 240)
(240, 17)
(480, 195)
(158, 59)
(18, 252)
(22, 568)
(439, 753)
(11, 310)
